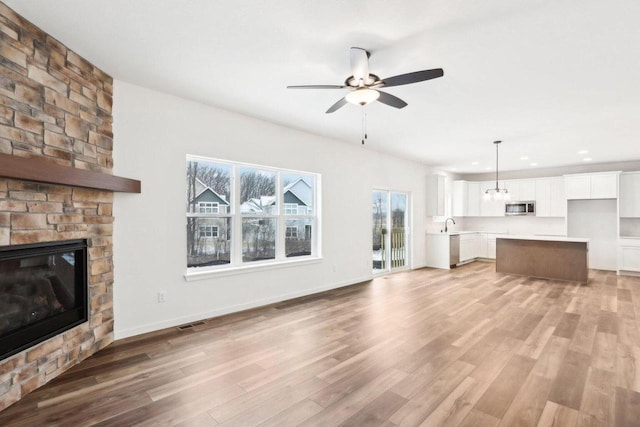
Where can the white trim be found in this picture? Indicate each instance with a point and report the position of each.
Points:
(151, 327)
(248, 267)
(237, 216)
(294, 235)
(208, 205)
(289, 205)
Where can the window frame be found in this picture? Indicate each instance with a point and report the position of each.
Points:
(288, 206)
(236, 218)
(291, 235)
(214, 206)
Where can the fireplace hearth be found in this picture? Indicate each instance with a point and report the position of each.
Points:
(43, 292)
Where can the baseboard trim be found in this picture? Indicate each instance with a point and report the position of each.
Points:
(177, 321)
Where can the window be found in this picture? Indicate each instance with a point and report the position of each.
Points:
(208, 207)
(291, 233)
(240, 215)
(208, 231)
(290, 209)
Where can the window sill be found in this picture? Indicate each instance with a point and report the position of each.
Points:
(190, 276)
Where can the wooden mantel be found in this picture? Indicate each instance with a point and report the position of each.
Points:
(48, 172)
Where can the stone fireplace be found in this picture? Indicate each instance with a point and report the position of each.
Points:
(54, 105)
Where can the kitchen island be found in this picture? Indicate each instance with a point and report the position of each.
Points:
(548, 257)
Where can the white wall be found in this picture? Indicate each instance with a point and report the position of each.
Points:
(153, 132)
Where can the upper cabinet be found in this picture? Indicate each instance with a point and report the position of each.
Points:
(490, 207)
(466, 198)
(558, 197)
(630, 195)
(543, 197)
(521, 190)
(473, 199)
(459, 198)
(592, 186)
(436, 195)
(550, 199)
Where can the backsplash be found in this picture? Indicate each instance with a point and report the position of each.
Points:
(512, 225)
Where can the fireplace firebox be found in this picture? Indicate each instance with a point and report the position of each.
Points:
(43, 292)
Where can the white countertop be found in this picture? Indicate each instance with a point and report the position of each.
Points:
(457, 233)
(545, 238)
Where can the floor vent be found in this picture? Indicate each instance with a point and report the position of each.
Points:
(190, 325)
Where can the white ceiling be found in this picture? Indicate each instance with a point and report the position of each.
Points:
(548, 77)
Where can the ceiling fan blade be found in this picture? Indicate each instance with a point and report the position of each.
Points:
(393, 101)
(337, 105)
(359, 64)
(316, 87)
(415, 77)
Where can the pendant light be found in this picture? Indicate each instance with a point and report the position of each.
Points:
(497, 193)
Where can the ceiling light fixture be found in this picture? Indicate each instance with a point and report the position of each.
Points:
(533, 164)
(362, 96)
(524, 158)
(497, 193)
(583, 152)
(587, 159)
(475, 163)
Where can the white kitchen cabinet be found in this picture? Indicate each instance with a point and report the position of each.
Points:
(473, 199)
(520, 190)
(514, 189)
(491, 246)
(436, 195)
(459, 198)
(481, 245)
(578, 186)
(543, 197)
(630, 195)
(604, 186)
(527, 190)
(438, 248)
(491, 249)
(629, 255)
(592, 186)
(468, 246)
(558, 198)
(550, 200)
(490, 207)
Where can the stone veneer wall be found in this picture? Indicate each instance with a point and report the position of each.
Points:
(57, 105)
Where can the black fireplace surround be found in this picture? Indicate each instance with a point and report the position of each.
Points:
(43, 292)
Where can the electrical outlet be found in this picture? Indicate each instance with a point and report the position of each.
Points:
(162, 296)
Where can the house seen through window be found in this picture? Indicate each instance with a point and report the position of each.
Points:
(240, 214)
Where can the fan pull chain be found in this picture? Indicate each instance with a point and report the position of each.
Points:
(364, 125)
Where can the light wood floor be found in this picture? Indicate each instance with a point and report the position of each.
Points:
(431, 347)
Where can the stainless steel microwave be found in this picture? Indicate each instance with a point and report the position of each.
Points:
(520, 208)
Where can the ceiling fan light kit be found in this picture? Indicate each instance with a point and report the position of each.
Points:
(364, 86)
(497, 193)
(362, 96)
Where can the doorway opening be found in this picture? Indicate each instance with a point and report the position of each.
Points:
(390, 230)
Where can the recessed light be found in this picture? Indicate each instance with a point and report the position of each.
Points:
(488, 168)
(583, 151)
(533, 164)
(475, 163)
(524, 158)
(587, 159)
(454, 169)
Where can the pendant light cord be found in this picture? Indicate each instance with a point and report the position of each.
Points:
(497, 188)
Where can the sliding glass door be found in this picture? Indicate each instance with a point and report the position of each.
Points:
(389, 230)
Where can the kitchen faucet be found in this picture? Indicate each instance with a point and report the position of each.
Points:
(446, 221)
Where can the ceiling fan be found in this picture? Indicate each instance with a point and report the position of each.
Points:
(364, 87)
